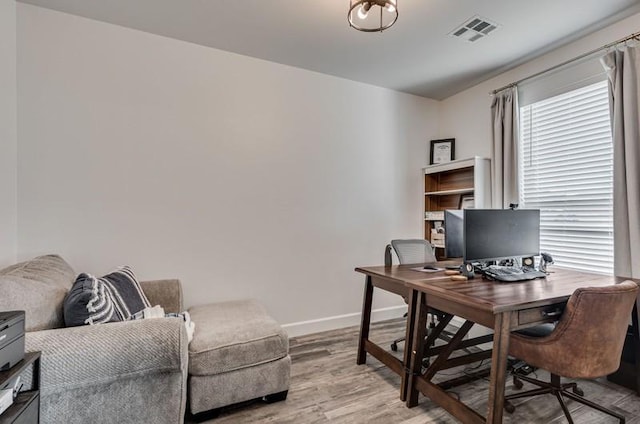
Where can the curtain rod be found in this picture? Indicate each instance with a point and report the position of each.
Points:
(582, 56)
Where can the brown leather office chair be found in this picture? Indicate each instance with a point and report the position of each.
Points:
(586, 343)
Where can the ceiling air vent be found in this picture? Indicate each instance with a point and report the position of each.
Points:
(474, 29)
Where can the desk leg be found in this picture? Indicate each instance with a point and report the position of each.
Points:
(408, 340)
(419, 323)
(365, 320)
(501, 328)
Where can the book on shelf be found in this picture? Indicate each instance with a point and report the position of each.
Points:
(434, 215)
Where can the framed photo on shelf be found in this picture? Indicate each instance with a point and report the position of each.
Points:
(442, 151)
(466, 201)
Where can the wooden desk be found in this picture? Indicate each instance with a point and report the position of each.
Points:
(394, 279)
(503, 307)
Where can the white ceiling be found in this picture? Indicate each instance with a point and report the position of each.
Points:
(415, 55)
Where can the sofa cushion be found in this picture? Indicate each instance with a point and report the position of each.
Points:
(38, 287)
(234, 335)
(114, 297)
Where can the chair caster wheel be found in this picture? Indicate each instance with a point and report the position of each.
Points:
(426, 363)
(509, 407)
(577, 390)
(517, 383)
(394, 346)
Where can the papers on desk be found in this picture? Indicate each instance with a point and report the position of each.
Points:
(422, 269)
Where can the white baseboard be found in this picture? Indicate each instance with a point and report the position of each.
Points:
(302, 328)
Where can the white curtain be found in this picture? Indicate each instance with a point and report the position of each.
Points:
(622, 69)
(504, 163)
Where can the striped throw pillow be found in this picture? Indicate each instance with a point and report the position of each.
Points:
(113, 297)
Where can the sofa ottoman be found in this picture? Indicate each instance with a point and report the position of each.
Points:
(238, 353)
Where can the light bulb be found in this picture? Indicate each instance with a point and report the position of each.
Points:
(364, 10)
(391, 7)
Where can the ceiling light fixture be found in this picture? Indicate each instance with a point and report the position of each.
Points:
(372, 15)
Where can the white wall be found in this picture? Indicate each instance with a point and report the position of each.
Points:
(242, 177)
(8, 128)
(467, 115)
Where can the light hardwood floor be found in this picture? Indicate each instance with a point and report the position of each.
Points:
(328, 387)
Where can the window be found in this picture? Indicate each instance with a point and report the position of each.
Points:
(566, 171)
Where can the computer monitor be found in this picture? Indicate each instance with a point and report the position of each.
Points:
(453, 233)
(494, 234)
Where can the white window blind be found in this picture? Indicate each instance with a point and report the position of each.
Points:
(567, 172)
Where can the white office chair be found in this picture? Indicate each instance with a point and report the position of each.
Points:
(411, 251)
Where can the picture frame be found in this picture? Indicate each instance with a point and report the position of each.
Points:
(442, 151)
(467, 201)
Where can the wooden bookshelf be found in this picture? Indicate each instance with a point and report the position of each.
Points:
(445, 185)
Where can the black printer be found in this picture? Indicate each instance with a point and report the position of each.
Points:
(11, 338)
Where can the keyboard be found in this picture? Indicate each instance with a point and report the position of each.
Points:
(511, 273)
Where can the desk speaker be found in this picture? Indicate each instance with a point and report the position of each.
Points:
(528, 262)
(467, 270)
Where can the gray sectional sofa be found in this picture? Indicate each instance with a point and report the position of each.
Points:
(138, 371)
